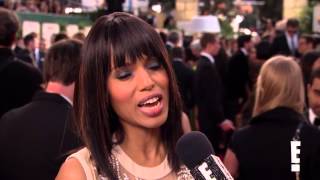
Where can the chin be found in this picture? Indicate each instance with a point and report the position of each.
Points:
(154, 122)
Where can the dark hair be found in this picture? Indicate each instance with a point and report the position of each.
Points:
(62, 62)
(207, 38)
(163, 36)
(263, 50)
(306, 64)
(28, 38)
(314, 74)
(309, 39)
(9, 25)
(60, 36)
(79, 36)
(178, 52)
(116, 39)
(243, 39)
(292, 22)
(173, 37)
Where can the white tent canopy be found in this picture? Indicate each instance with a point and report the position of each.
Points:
(202, 24)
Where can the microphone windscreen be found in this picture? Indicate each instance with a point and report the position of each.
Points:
(192, 148)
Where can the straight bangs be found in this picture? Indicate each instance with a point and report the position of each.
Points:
(129, 42)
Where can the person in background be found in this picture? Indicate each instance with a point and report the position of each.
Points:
(306, 44)
(127, 105)
(185, 77)
(27, 54)
(59, 36)
(313, 113)
(238, 85)
(19, 80)
(262, 150)
(172, 41)
(37, 137)
(307, 63)
(287, 43)
(193, 54)
(208, 93)
(39, 54)
(79, 36)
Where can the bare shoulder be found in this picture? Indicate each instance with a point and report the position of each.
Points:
(71, 169)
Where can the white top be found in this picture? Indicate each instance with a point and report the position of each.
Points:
(126, 169)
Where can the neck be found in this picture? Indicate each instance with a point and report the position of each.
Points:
(60, 88)
(143, 146)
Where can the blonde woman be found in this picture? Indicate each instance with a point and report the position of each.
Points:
(262, 150)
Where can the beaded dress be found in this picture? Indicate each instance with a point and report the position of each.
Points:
(126, 169)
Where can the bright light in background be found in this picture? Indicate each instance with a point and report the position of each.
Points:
(69, 10)
(156, 8)
(236, 22)
(222, 17)
(77, 10)
(245, 31)
(254, 34)
(238, 19)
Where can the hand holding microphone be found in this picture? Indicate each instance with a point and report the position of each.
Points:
(196, 152)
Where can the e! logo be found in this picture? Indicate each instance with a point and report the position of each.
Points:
(295, 159)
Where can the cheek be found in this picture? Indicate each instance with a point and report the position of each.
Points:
(120, 94)
(163, 80)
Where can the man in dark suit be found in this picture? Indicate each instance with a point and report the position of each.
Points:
(313, 113)
(19, 80)
(238, 78)
(172, 41)
(27, 54)
(36, 138)
(287, 43)
(40, 54)
(208, 92)
(185, 77)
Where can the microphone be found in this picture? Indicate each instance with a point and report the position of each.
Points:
(196, 152)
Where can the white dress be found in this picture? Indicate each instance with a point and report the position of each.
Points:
(127, 169)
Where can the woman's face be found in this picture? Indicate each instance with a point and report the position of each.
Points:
(139, 93)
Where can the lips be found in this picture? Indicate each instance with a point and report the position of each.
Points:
(152, 105)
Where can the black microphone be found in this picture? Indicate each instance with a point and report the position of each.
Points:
(196, 152)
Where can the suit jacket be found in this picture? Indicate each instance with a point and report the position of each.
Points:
(238, 77)
(280, 46)
(36, 138)
(19, 81)
(208, 98)
(185, 82)
(25, 55)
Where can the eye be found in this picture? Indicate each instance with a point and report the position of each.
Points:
(154, 64)
(123, 73)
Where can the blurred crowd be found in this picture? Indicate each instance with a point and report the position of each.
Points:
(36, 6)
(216, 76)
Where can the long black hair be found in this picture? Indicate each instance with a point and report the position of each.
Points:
(115, 39)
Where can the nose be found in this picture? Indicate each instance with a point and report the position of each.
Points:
(144, 79)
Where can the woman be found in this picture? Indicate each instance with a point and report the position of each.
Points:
(262, 150)
(127, 105)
